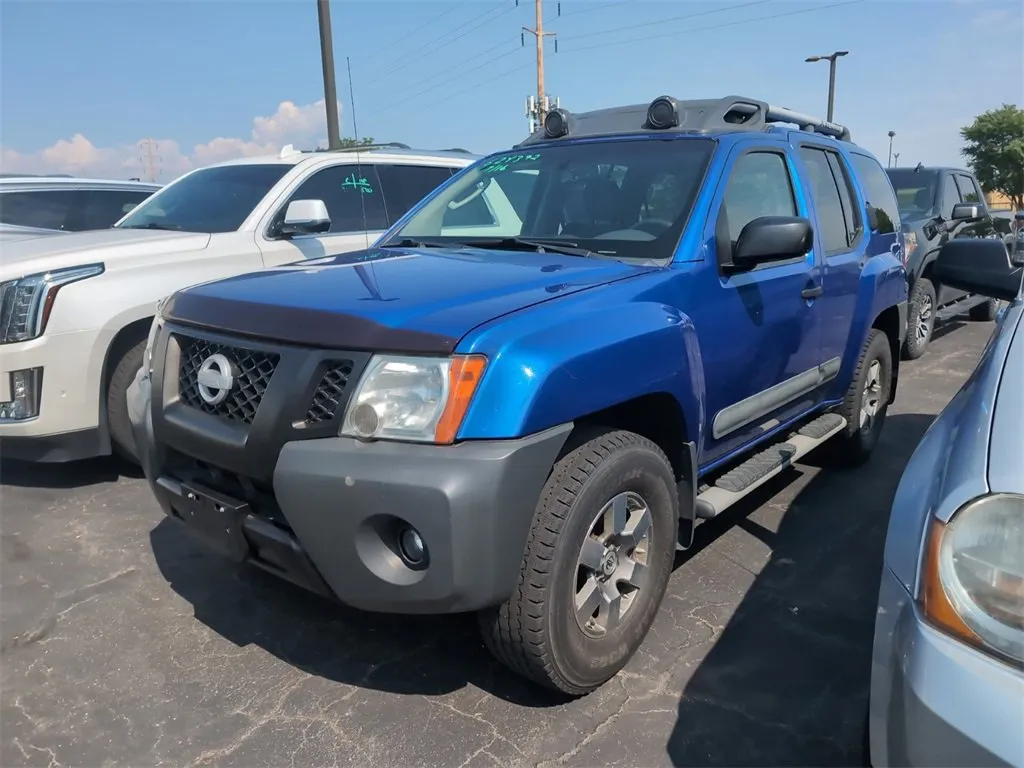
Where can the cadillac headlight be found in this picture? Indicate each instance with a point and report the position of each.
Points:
(26, 302)
(421, 399)
(973, 577)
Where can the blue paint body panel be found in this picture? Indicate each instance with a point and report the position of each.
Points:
(567, 336)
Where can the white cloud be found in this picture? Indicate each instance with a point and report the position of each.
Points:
(303, 125)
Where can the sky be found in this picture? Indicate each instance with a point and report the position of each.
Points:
(85, 83)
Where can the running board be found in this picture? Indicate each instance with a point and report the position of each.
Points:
(763, 466)
(959, 307)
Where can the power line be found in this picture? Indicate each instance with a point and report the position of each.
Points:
(592, 9)
(434, 48)
(705, 29)
(415, 31)
(414, 87)
(399, 102)
(671, 19)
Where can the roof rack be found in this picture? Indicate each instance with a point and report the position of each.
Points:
(730, 113)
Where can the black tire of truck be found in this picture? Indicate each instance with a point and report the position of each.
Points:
(984, 313)
(121, 438)
(920, 319)
(538, 632)
(866, 402)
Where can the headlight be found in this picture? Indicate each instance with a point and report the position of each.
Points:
(973, 575)
(25, 302)
(422, 399)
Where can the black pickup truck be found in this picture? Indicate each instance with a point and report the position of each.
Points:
(936, 205)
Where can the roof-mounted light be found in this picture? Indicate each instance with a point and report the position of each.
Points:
(663, 113)
(556, 123)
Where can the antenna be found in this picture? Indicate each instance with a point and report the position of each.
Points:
(355, 133)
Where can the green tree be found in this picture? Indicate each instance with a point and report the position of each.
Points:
(994, 148)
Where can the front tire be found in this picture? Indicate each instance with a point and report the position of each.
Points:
(984, 313)
(596, 565)
(121, 438)
(866, 402)
(921, 319)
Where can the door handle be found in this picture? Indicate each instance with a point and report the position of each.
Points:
(811, 293)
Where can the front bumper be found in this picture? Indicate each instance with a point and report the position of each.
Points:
(934, 701)
(331, 518)
(67, 425)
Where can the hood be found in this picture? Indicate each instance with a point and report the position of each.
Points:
(39, 254)
(11, 232)
(407, 300)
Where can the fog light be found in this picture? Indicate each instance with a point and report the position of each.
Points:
(24, 402)
(411, 545)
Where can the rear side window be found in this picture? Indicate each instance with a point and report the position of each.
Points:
(405, 185)
(878, 190)
(838, 220)
(102, 208)
(48, 209)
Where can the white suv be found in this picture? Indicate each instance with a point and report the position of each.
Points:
(75, 310)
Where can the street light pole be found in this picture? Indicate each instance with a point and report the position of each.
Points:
(891, 135)
(831, 59)
(327, 61)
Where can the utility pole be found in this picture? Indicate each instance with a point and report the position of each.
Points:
(323, 8)
(831, 59)
(536, 110)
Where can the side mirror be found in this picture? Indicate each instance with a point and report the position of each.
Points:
(978, 265)
(966, 212)
(772, 238)
(305, 217)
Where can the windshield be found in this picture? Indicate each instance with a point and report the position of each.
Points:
(915, 192)
(625, 199)
(216, 199)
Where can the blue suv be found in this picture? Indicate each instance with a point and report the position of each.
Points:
(522, 399)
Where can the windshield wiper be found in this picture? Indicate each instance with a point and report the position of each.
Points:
(414, 242)
(540, 245)
(151, 225)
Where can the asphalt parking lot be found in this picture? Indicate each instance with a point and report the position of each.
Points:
(126, 643)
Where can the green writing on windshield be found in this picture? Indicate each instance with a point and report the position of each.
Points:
(351, 182)
(503, 163)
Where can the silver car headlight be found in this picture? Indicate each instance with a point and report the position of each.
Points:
(26, 302)
(973, 575)
(420, 399)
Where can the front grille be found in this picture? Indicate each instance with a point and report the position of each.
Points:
(253, 372)
(329, 392)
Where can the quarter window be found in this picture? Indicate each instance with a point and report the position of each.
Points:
(878, 190)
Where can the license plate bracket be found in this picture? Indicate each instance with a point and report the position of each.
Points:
(216, 518)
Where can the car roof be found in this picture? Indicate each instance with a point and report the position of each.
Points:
(401, 153)
(44, 182)
(666, 116)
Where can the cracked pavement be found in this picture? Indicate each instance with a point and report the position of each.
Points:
(124, 642)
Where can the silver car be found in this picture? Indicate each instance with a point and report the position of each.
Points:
(65, 203)
(947, 673)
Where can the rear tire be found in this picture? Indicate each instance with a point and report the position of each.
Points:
(866, 402)
(604, 535)
(920, 319)
(121, 438)
(984, 313)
